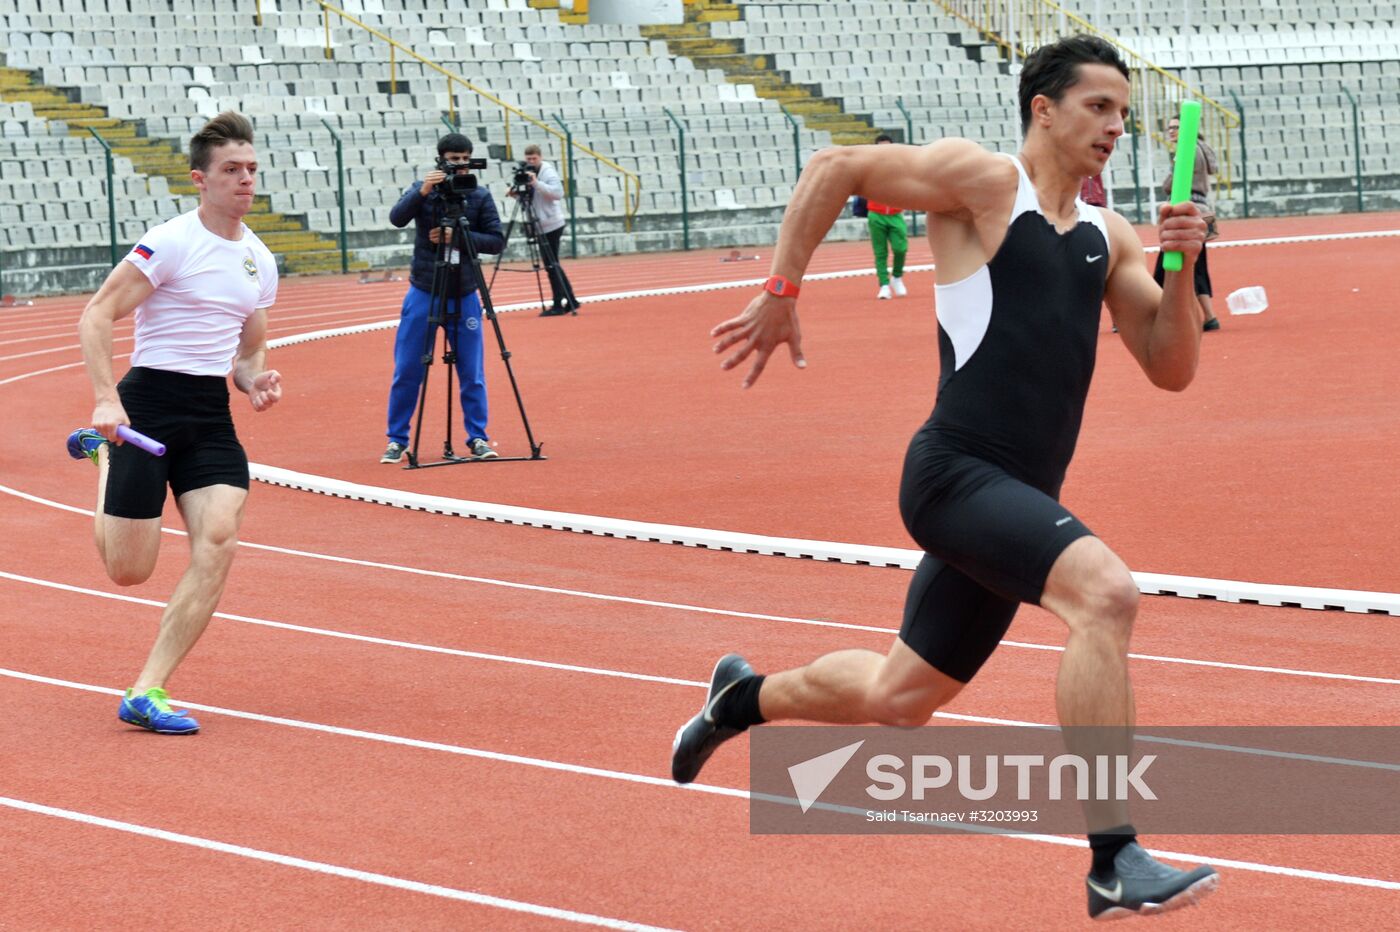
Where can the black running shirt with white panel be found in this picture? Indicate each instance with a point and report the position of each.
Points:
(1017, 341)
(981, 480)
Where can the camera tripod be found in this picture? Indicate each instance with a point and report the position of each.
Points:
(455, 247)
(541, 254)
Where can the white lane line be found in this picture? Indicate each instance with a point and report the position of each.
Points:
(364, 638)
(646, 780)
(1225, 665)
(321, 867)
(458, 750)
(378, 324)
(680, 606)
(649, 678)
(72, 365)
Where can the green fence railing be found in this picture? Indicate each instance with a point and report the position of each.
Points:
(796, 145)
(1244, 154)
(685, 199)
(570, 184)
(111, 196)
(340, 194)
(1356, 144)
(1137, 175)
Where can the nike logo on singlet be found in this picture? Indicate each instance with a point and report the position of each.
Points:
(1093, 258)
(1063, 521)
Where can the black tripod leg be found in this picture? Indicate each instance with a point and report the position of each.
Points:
(505, 242)
(558, 282)
(536, 252)
(489, 311)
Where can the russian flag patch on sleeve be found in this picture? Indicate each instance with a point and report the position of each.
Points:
(144, 251)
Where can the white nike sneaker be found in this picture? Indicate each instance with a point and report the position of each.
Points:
(898, 285)
(884, 294)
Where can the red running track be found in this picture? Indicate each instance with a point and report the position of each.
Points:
(1287, 436)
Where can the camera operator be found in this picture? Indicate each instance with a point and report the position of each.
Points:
(539, 181)
(441, 192)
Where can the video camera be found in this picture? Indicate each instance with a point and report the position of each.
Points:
(459, 179)
(523, 171)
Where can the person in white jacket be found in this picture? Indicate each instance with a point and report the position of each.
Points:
(547, 199)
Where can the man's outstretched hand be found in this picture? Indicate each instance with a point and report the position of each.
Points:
(765, 323)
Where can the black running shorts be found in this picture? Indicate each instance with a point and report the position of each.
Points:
(990, 541)
(190, 415)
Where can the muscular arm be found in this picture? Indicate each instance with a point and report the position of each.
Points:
(950, 176)
(122, 292)
(953, 177)
(1160, 326)
(262, 386)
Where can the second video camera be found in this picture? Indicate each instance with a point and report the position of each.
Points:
(523, 171)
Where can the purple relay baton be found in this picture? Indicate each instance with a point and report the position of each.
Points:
(140, 440)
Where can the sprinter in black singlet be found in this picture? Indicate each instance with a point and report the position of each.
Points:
(1023, 269)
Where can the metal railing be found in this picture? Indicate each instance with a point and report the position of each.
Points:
(340, 193)
(111, 196)
(680, 161)
(570, 185)
(1021, 26)
(796, 144)
(1356, 144)
(631, 182)
(1244, 154)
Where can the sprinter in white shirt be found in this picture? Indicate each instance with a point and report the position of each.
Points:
(200, 286)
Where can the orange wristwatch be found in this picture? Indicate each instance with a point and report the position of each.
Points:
(780, 286)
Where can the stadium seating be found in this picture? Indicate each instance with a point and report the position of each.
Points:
(154, 64)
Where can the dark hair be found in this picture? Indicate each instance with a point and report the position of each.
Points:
(454, 142)
(226, 127)
(884, 137)
(1053, 69)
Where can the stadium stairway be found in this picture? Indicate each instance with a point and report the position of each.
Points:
(300, 249)
(692, 39)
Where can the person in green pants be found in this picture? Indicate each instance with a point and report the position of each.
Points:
(888, 234)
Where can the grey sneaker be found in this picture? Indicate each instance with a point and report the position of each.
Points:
(1141, 885)
(481, 450)
(697, 739)
(393, 453)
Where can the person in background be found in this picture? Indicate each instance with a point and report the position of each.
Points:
(887, 235)
(1207, 165)
(424, 205)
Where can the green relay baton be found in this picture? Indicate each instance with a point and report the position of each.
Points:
(1185, 168)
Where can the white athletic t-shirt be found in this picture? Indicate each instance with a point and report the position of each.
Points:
(206, 288)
